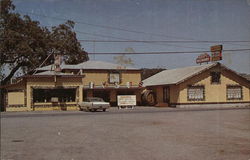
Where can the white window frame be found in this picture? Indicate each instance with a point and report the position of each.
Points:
(114, 77)
(234, 92)
(196, 93)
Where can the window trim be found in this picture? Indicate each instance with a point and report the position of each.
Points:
(235, 86)
(196, 86)
(43, 98)
(115, 72)
(211, 74)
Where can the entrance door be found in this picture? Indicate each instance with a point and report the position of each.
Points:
(166, 94)
(104, 94)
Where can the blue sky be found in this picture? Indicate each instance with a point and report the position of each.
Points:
(158, 20)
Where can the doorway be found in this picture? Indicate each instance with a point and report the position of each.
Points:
(104, 94)
(166, 94)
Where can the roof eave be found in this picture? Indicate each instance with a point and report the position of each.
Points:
(195, 74)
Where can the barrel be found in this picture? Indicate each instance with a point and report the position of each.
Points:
(148, 97)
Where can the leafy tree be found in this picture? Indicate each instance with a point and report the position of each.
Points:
(123, 60)
(148, 72)
(64, 42)
(24, 44)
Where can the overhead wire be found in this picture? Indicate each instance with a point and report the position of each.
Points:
(141, 41)
(170, 52)
(114, 28)
(167, 52)
(139, 32)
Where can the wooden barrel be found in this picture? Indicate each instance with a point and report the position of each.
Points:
(148, 97)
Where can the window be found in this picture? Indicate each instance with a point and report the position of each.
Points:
(196, 93)
(215, 77)
(45, 95)
(234, 92)
(114, 78)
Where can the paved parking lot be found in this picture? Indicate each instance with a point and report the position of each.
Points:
(142, 133)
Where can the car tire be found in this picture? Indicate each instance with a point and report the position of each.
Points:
(104, 109)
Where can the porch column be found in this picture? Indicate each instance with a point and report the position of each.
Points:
(81, 93)
(29, 97)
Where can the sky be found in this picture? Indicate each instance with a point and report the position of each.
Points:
(152, 20)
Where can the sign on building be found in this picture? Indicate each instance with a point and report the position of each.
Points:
(203, 58)
(126, 100)
(216, 52)
(57, 63)
(114, 78)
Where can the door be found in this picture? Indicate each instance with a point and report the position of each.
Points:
(166, 94)
(104, 94)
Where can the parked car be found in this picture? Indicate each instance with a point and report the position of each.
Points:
(93, 104)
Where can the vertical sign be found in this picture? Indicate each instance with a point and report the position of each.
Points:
(216, 52)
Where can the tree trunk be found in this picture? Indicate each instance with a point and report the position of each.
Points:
(4, 82)
(12, 72)
(2, 103)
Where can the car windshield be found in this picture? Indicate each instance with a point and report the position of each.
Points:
(95, 99)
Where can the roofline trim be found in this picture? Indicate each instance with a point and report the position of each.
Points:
(215, 64)
(195, 74)
(36, 76)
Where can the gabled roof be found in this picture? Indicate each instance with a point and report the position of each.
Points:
(175, 76)
(90, 65)
(247, 76)
(50, 67)
(101, 65)
(52, 73)
(179, 75)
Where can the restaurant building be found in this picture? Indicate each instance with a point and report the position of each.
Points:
(50, 90)
(197, 86)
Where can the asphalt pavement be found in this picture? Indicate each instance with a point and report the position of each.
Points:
(146, 133)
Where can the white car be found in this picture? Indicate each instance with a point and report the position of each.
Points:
(94, 104)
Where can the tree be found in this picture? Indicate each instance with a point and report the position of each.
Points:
(123, 60)
(24, 44)
(148, 72)
(64, 42)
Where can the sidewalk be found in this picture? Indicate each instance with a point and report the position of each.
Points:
(137, 109)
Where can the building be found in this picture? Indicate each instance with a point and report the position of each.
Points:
(205, 85)
(50, 90)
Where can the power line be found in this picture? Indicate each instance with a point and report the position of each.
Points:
(125, 39)
(174, 52)
(107, 36)
(161, 41)
(127, 30)
(166, 52)
(108, 27)
(140, 41)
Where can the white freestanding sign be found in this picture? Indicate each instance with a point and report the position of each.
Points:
(126, 100)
